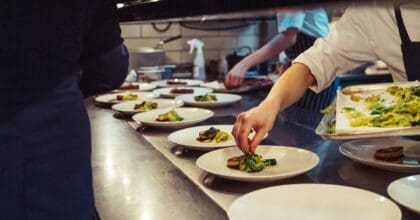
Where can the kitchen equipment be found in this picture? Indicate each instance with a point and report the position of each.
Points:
(142, 58)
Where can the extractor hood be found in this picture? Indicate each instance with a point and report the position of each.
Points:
(146, 10)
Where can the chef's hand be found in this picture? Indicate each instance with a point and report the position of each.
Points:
(235, 76)
(259, 119)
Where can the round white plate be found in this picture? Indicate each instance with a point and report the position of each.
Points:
(291, 161)
(128, 107)
(406, 191)
(363, 151)
(191, 116)
(190, 82)
(188, 137)
(142, 87)
(313, 202)
(222, 100)
(111, 98)
(166, 92)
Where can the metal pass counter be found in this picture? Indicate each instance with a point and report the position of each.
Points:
(138, 174)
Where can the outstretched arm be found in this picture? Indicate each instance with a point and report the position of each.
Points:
(279, 43)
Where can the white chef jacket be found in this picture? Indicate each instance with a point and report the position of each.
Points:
(364, 33)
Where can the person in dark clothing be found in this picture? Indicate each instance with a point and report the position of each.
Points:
(54, 53)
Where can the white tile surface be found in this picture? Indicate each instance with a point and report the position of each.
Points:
(130, 30)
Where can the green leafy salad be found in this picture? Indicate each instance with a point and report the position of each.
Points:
(250, 163)
(404, 111)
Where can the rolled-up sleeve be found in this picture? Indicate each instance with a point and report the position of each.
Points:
(346, 47)
(292, 20)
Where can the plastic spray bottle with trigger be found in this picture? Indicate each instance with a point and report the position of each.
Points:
(199, 62)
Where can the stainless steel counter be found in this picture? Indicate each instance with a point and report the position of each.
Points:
(134, 181)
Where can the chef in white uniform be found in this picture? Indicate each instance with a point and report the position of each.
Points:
(373, 31)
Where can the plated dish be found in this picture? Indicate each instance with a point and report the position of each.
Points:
(177, 82)
(136, 86)
(133, 107)
(249, 84)
(406, 192)
(113, 98)
(209, 100)
(290, 161)
(173, 117)
(188, 137)
(366, 152)
(173, 92)
(314, 202)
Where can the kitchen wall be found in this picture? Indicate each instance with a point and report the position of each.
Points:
(217, 43)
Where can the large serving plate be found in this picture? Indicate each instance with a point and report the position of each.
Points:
(189, 82)
(406, 192)
(313, 202)
(363, 151)
(344, 100)
(111, 98)
(188, 138)
(222, 100)
(128, 107)
(191, 116)
(166, 92)
(362, 133)
(291, 161)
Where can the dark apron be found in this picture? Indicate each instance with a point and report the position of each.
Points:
(45, 170)
(410, 53)
(410, 50)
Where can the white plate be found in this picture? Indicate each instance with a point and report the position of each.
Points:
(111, 98)
(128, 107)
(190, 82)
(363, 152)
(313, 202)
(191, 116)
(188, 137)
(222, 100)
(406, 191)
(142, 87)
(166, 92)
(291, 161)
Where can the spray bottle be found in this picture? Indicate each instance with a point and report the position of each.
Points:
(199, 63)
